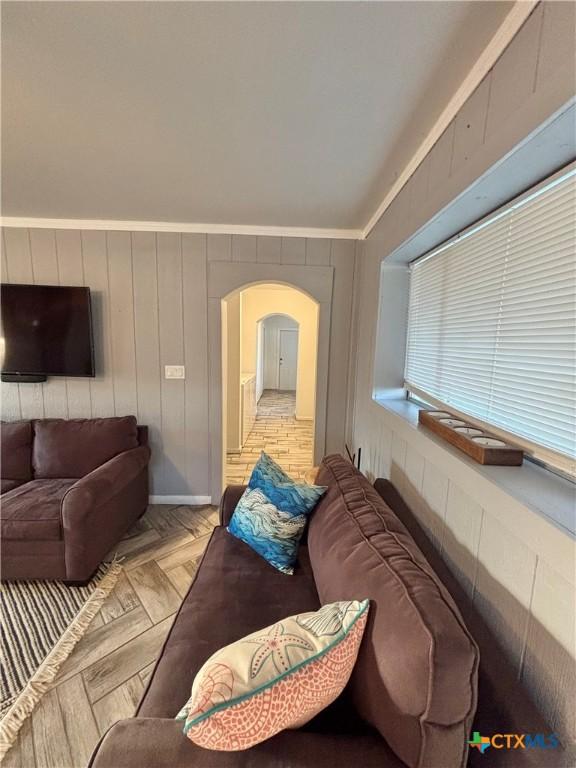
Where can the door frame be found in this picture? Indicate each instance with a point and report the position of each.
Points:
(225, 278)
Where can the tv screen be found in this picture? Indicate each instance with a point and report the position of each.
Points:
(46, 329)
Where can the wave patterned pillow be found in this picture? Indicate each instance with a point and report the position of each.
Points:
(279, 677)
(281, 490)
(274, 534)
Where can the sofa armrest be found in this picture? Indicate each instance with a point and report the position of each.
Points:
(98, 510)
(98, 486)
(230, 499)
(160, 743)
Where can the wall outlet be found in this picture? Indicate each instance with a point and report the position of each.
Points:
(174, 372)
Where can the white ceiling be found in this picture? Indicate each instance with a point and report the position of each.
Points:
(273, 114)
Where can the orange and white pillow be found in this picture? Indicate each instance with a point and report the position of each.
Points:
(279, 677)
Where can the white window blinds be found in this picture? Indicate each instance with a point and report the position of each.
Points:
(492, 322)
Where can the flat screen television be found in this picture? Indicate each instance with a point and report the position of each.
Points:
(46, 331)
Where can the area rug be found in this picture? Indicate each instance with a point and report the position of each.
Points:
(41, 623)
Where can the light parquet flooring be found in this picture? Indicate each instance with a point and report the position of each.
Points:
(276, 431)
(104, 677)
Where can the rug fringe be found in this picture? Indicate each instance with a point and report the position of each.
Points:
(41, 681)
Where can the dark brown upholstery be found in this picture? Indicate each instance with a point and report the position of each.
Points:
(74, 447)
(9, 485)
(415, 678)
(86, 485)
(159, 743)
(32, 511)
(504, 705)
(236, 592)
(16, 451)
(227, 563)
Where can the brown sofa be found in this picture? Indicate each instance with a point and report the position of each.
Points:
(70, 490)
(411, 701)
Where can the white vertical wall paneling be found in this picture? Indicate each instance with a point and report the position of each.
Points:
(514, 74)
(461, 539)
(122, 322)
(146, 334)
(195, 308)
(318, 252)
(547, 666)
(19, 263)
(219, 247)
(147, 315)
(470, 124)
(243, 247)
(293, 250)
(172, 353)
(95, 258)
(342, 259)
(215, 386)
(3, 260)
(268, 250)
(435, 485)
(45, 270)
(10, 400)
(71, 272)
(413, 478)
(556, 41)
(505, 581)
(526, 597)
(441, 159)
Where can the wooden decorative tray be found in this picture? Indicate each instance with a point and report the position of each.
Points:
(477, 443)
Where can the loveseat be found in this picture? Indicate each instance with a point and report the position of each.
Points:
(412, 699)
(70, 490)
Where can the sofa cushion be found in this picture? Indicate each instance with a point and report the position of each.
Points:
(9, 485)
(274, 534)
(235, 593)
(288, 496)
(279, 677)
(16, 450)
(74, 447)
(416, 675)
(32, 511)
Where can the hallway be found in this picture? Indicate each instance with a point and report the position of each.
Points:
(276, 431)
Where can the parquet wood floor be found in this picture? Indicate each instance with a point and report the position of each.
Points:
(104, 677)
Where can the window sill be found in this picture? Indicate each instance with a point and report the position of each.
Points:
(545, 493)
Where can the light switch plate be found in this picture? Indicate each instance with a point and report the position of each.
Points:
(174, 372)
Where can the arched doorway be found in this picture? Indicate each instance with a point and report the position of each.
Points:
(270, 341)
(224, 283)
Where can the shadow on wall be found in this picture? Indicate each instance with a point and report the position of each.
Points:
(549, 673)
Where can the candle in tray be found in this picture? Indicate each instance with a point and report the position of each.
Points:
(470, 431)
(453, 422)
(440, 414)
(489, 441)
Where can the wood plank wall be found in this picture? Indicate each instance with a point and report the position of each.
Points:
(519, 570)
(150, 309)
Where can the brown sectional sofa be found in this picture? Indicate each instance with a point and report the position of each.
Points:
(70, 490)
(411, 701)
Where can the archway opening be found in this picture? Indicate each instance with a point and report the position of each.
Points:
(269, 354)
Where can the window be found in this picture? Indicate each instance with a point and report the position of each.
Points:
(492, 322)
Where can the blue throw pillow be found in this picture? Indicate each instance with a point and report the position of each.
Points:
(288, 496)
(274, 534)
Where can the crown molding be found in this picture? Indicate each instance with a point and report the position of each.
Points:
(164, 226)
(518, 14)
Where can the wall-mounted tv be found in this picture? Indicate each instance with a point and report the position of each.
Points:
(46, 331)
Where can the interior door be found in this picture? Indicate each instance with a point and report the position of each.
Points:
(288, 362)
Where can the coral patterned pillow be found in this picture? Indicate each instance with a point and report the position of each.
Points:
(279, 677)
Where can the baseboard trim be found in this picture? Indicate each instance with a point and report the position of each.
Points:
(193, 500)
